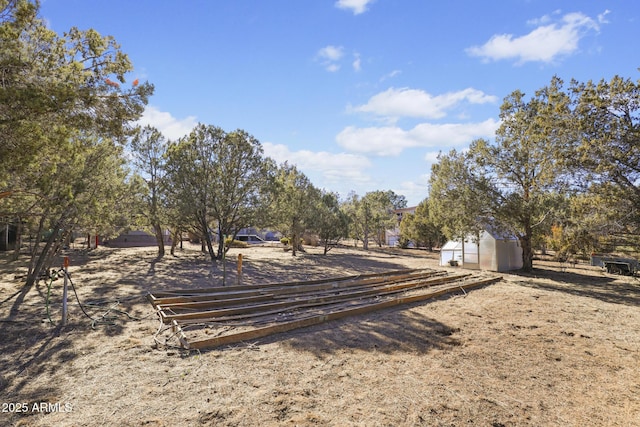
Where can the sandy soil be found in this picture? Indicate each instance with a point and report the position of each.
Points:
(560, 346)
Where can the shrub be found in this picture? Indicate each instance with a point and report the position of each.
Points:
(310, 240)
(235, 243)
(403, 243)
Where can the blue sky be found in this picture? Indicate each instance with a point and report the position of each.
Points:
(360, 94)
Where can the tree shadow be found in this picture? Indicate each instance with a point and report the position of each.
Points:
(30, 398)
(313, 266)
(190, 269)
(389, 331)
(16, 378)
(138, 273)
(24, 358)
(613, 289)
(31, 348)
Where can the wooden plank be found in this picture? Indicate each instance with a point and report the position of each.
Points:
(216, 303)
(310, 301)
(204, 303)
(224, 293)
(303, 305)
(232, 288)
(315, 320)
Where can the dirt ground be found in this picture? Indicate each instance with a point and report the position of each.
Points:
(557, 347)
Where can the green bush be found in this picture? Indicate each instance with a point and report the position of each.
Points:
(403, 243)
(310, 240)
(285, 241)
(228, 243)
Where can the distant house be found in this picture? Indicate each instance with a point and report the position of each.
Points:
(493, 251)
(8, 235)
(135, 238)
(392, 236)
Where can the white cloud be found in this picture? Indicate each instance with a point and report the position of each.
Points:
(392, 140)
(331, 53)
(390, 75)
(334, 168)
(329, 56)
(415, 191)
(405, 102)
(332, 68)
(357, 65)
(545, 43)
(170, 127)
(544, 19)
(356, 6)
(602, 18)
(432, 156)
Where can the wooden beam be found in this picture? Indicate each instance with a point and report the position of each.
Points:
(213, 300)
(285, 289)
(303, 302)
(202, 304)
(315, 320)
(217, 296)
(195, 291)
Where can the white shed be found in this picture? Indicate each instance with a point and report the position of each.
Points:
(492, 252)
(451, 253)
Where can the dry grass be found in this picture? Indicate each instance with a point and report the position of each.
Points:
(557, 347)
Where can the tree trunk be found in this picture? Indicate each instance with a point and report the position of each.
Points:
(39, 262)
(16, 250)
(157, 229)
(365, 239)
(220, 242)
(207, 238)
(294, 243)
(41, 259)
(527, 253)
(212, 253)
(294, 237)
(34, 251)
(525, 239)
(176, 236)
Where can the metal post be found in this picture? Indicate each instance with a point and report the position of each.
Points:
(65, 265)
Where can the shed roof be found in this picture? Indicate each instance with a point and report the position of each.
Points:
(499, 234)
(452, 245)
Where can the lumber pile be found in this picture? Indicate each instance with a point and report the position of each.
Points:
(211, 317)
